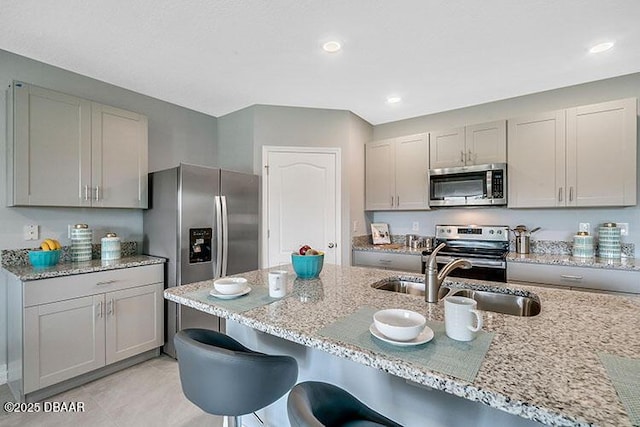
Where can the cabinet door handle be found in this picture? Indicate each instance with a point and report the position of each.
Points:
(86, 193)
(391, 201)
(110, 307)
(100, 309)
(560, 194)
(385, 261)
(461, 156)
(570, 277)
(97, 193)
(106, 282)
(570, 194)
(397, 201)
(469, 157)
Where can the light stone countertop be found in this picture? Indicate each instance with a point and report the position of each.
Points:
(631, 264)
(544, 368)
(27, 272)
(376, 248)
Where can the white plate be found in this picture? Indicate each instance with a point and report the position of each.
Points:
(425, 336)
(217, 294)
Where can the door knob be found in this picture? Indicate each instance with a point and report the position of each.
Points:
(331, 245)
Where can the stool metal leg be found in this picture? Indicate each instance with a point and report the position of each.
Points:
(231, 421)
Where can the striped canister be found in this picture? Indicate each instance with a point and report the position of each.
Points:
(609, 241)
(583, 245)
(81, 237)
(110, 247)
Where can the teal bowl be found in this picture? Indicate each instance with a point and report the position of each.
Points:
(44, 258)
(307, 266)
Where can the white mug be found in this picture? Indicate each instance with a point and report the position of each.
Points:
(277, 283)
(458, 318)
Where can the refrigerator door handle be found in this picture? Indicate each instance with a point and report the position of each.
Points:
(218, 272)
(225, 235)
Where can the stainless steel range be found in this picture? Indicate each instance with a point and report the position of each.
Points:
(484, 246)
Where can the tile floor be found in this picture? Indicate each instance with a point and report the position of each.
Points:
(148, 394)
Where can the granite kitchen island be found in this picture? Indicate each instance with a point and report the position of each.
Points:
(544, 368)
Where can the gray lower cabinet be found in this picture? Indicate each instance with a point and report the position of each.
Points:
(388, 261)
(582, 278)
(75, 325)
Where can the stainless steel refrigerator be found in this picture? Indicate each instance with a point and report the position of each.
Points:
(205, 222)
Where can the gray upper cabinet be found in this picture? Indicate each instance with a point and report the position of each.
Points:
(119, 163)
(579, 157)
(396, 173)
(470, 145)
(536, 163)
(603, 138)
(68, 151)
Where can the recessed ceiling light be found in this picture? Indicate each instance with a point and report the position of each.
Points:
(331, 46)
(393, 99)
(601, 47)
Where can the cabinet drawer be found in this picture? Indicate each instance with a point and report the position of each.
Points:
(387, 260)
(575, 277)
(61, 288)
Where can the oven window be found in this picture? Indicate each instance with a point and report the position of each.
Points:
(466, 185)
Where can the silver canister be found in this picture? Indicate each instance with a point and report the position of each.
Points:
(410, 239)
(522, 244)
(110, 247)
(81, 238)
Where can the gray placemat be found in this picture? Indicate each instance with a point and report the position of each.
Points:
(258, 297)
(624, 373)
(441, 354)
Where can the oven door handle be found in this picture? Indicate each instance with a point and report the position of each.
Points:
(474, 262)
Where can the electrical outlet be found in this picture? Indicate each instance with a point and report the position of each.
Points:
(416, 226)
(30, 232)
(584, 226)
(355, 225)
(624, 228)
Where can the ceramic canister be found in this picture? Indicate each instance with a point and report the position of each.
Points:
(583, 245)
(81, 237)
(609, 241)
(110, 247)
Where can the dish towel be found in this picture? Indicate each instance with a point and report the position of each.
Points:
(624, 373)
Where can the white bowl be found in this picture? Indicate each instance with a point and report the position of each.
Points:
(230, 285)
(399, 324)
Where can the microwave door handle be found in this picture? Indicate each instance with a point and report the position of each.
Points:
(489, 185)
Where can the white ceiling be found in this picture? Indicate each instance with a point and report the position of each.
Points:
(218, 56)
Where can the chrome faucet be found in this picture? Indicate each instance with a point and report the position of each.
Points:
(433, 280)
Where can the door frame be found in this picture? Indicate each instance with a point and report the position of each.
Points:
(266, 149)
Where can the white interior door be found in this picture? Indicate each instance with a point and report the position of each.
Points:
(302, 201)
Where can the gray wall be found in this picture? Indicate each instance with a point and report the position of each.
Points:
(303, 127)
(235, 134)
(176, 135)
(557, 224)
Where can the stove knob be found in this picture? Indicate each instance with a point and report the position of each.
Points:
(499, 231)
(491, 231)
(448, 230)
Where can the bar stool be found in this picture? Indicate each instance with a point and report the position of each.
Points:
(316, 404)
(223, 377)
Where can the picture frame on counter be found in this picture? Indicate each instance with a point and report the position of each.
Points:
(380, 233)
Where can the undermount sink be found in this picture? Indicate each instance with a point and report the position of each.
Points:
(498, 302)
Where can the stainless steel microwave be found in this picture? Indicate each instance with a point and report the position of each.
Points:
(469, 185)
